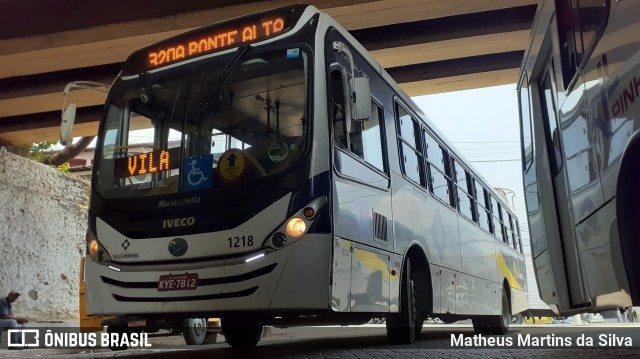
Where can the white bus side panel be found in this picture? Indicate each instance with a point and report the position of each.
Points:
(477, 248)
(304, 282)
(362, 216)
(476, 296)
(417, 216)
(476, 287)
(370, 277)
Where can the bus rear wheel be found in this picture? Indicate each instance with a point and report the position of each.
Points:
(500, 323)
(402, 327)
(241, 335)
(481, 325)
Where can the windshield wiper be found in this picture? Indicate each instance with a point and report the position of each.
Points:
(205, 104)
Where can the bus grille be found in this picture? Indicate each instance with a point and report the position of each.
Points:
(201, 282)
(379, 226)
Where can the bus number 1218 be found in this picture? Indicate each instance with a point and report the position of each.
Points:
(237, 242)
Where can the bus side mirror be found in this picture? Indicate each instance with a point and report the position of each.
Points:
(361, 97)
(68, 118)
(360, 90)
(69, 112)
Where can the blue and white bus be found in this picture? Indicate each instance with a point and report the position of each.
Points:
(266, 170)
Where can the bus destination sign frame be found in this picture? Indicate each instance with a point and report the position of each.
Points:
(213, 38)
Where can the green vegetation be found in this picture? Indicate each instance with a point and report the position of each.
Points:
(37, 152)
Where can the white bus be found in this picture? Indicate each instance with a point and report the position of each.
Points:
(267, 171)
(578, 89)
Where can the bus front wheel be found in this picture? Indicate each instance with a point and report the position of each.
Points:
(241, 335)
(401, 327)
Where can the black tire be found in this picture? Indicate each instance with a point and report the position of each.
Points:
(239, 335)
(481, 325)
(194, 330)
(116, 329)
(401, 327)
(500, 323)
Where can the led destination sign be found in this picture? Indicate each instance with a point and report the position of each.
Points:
(145, 163)
(215, 41)
(213, 38)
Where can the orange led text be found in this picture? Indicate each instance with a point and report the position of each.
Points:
(148, 163)
(215, 41)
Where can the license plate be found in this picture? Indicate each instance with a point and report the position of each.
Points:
(170, 282)
(137, 323)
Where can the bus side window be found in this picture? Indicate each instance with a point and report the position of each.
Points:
(462, 189)
(337, 107)
(439, 170)
(517, 229)
(579, 25)
(526, 125)
(514, 237)
(483, 214)
(408, 142)
(504, 219)
(497, 224)
(365, 138)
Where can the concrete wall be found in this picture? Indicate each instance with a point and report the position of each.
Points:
(42, 227)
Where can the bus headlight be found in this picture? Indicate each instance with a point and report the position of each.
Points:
(94, 249)
(296, 227)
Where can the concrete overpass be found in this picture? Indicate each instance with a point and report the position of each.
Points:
(428, 46)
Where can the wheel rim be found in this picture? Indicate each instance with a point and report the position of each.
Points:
(199, 328)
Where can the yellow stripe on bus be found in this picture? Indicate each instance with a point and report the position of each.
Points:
(504, 270)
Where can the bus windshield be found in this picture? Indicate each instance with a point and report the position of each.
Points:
(201, 127)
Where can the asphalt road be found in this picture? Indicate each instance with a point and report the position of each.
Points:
(436, 341)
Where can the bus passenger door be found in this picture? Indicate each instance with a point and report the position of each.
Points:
(361, 195)
(560, 242)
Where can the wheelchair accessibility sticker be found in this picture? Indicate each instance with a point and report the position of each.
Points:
(197, 173)
(231, 164)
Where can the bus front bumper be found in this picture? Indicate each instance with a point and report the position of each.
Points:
(294, 277)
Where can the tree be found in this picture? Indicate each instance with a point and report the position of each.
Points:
(38, 152)
(70, 151)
